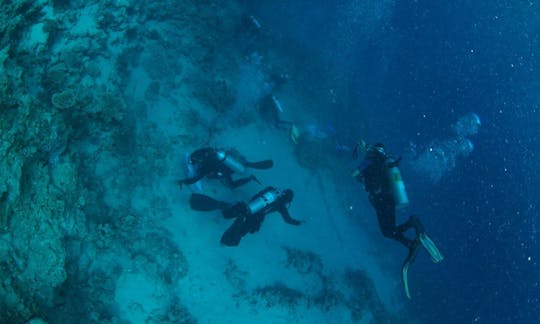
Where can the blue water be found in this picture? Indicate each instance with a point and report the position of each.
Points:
(449, 59)
(476, 57)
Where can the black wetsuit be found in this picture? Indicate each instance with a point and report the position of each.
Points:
(374, 173)
(247, 222)
(269, 111)
(208, 164)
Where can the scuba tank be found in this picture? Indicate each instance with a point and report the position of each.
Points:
(229, 161)
(397, 187)
(261, 202)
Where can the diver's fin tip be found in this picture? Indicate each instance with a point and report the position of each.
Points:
(404, 277)
(431, 248)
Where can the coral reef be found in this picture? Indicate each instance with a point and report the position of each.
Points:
(303, 261)
(64, 100)
(279, 294)
(63, 245)
(353, 290)
(236, 278)
(364, 298)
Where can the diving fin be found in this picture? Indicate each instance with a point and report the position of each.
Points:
(295, 134)
(201, 202)
(261, 165)
(432, 249)
(404, 271)
(405, 268)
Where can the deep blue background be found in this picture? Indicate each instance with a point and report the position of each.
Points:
(447, 59)
(453, 58)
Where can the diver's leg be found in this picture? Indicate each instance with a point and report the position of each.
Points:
(233, 184)
(235, 232)
(386, 215)
(412, 222)
(417, 224)
(425, 240)
(422, 237)
(235, 211)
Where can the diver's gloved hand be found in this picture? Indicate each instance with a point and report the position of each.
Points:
(359, 147)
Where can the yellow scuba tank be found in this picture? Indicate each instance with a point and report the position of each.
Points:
(263, 201)
(229, 161)
(398, 187)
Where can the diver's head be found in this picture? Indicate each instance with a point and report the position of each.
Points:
(288, 195)
(376, 151)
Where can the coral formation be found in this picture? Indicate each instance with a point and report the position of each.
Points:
(62, 247)
(64, 100)
(364, 298)
(353, 290)
(236, 278)
(279, 294)
(216, 93)
(304, 261)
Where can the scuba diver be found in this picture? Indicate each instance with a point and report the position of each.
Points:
(250, 215)
(219, 164)
(270, 109)
(386, 192)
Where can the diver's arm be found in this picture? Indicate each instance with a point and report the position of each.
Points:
(202, 172)
(358, 172)
(192, 180)
(394, 162)
(286, 217)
